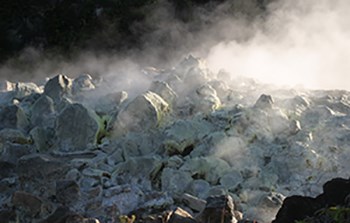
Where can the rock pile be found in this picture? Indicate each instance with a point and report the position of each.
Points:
(193, 146)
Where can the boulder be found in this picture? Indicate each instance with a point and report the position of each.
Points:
(58, 87)
(43, 138)
(208, 168)
(164, 90)
(13, 117)
(145, 112)
(13, 152)
(218, 209)
(42, 112)
(30, 203)
(175, 181)
(77, 128)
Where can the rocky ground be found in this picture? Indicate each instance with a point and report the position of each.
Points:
(191, 147)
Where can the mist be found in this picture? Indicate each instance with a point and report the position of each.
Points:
(299, 44)
(294, 43)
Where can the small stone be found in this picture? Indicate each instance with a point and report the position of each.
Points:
(67, 191)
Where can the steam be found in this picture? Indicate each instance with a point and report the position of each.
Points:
(296, 43)
(300, 43)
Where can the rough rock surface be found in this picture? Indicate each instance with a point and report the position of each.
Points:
(85, 151)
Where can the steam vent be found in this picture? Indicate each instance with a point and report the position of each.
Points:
(194, 146)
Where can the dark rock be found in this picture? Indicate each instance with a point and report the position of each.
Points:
(7, 169)
(335, 191)
(296, 208)
(264, 102)
(42, 111)
(57, 87)
(7, 216)
(67, 191)
(13, 152)
(13, 117)
(30, 203)
(74, 119)
(218, 209)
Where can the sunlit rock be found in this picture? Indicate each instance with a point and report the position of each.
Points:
(164, 90)
(145, 112)
(76, 128)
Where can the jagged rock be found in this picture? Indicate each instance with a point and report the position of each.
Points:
(30, 203)
(180, 215)
(26, 89)
(164, 90)
(76, 128)
(145, 112)
(205, 99)
(218, 209)
(33, 168)
(109, 103)
(42, 112)
(193, 202)
(13, 117)
(264, 102)
(159, 201)
(57, 87)
(175, 181)
(6, 86)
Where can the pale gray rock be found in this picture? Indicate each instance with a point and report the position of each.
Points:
(175, 181)
(198, 188)
(208, 168)
(193, 202)
(145, 112)
(42, 138)
(77, 128)
(165, 91)
(231, 180)
(82, 83)
(42, 112)
(264, 102)
(25, 89)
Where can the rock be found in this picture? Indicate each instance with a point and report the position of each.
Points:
(13, 117)
(218, 209)
(7, 169)
(145, 112)
(75, 119)
(42, 138)
(165, 91)
(231, 180)
(13, 152)
(65, 215)
(82, 83)
(175, 181)
(8, 216)
(198, 188)
(109, 103)
(208, 168)
(6, 86)
(25, 89)
(13, 136)
(42, 112)
(67, 192)
(193, 202)
(57, 87)
(206, 99)
(30, 203)
(180, 215)
(159, 201)
(264, 102)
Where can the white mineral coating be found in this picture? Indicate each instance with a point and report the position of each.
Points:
(42, 112)
(205, 99)
(175, 181)
(25, 89)
(6, 86)
(76, 128)
(208, 168)
(82, 83)
(57, 87)
(145, 112)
